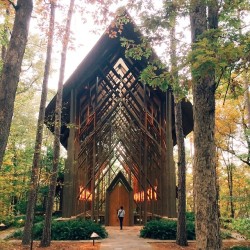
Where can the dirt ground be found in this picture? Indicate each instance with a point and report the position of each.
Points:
(54, 246)
(191, 246)
(16, 245)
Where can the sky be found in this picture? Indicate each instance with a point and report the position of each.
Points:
(85, 39)
(85, 36)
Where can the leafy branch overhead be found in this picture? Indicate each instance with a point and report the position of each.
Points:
(214, 51)
(156, 74)
(135, 50)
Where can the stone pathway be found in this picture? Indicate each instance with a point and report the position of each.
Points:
(126, 239)
(6, 233)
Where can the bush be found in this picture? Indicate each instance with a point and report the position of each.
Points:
(78, 229)
(240, 248)
(18, 221)
(242, 226)
(190, 228)
(165, 230)
(225, 234)
(190, 216)
(7, 221)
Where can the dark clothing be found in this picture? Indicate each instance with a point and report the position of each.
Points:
(121, 214)
(121, 221)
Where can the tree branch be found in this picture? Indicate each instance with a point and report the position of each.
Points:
(12, 3)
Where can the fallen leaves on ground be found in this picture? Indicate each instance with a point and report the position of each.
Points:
(73, 245)
(69, 245)
(191, 245)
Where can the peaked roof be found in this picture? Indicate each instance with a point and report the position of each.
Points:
(119, 178)
(99, 53)
(96, 58)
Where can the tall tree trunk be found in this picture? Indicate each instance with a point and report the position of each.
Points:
(181, 237)
(205, 193)
(229, 166)
(246, 125)
(12, 68)
(46, 237)
(27, 235)
(230, 187)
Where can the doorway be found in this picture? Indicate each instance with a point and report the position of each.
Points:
(119, 194)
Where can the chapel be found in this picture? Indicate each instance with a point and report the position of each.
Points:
(119, 134)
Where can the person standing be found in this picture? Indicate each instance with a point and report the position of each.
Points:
(121, 214)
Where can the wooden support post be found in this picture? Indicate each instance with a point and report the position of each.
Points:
(69, 202)
(94, 155)
(145, 207)
(140, 178)
(168, 171)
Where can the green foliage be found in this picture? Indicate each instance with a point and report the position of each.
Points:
(165, 230)
(151, 75)
(242, 226)
(225, 234)
(159, 229)
(219, 53)
(78, 229)
(225, 222)
(240, 248)
(18, 221)
(190, 216)
(190, 228)
(135, 50)
(157, 75)
(203, 56)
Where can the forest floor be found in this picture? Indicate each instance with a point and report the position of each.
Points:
(69, 245)
(115, 236)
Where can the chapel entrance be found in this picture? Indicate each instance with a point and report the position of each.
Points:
(118, 197)
(119, 194)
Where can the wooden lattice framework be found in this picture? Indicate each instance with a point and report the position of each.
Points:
(113, 124)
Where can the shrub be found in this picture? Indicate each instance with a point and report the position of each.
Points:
(239, 248)
(190, 216)
(225, 234)
(78, 229)
(242, 226)
(8, 221)
(165, 230)
(190, 229)
(18, 221)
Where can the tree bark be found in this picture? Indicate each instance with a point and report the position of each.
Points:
(46, 237)
(181, 237)
(27, 235)
(203, 86)
(12, 68)
(230, 187)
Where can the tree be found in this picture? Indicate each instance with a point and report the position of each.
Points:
(227, 119)
(27, 235)
(231, 147)
(12, 68)
(15, 171)
(46, 237)
(204, 19)
(181, 236)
